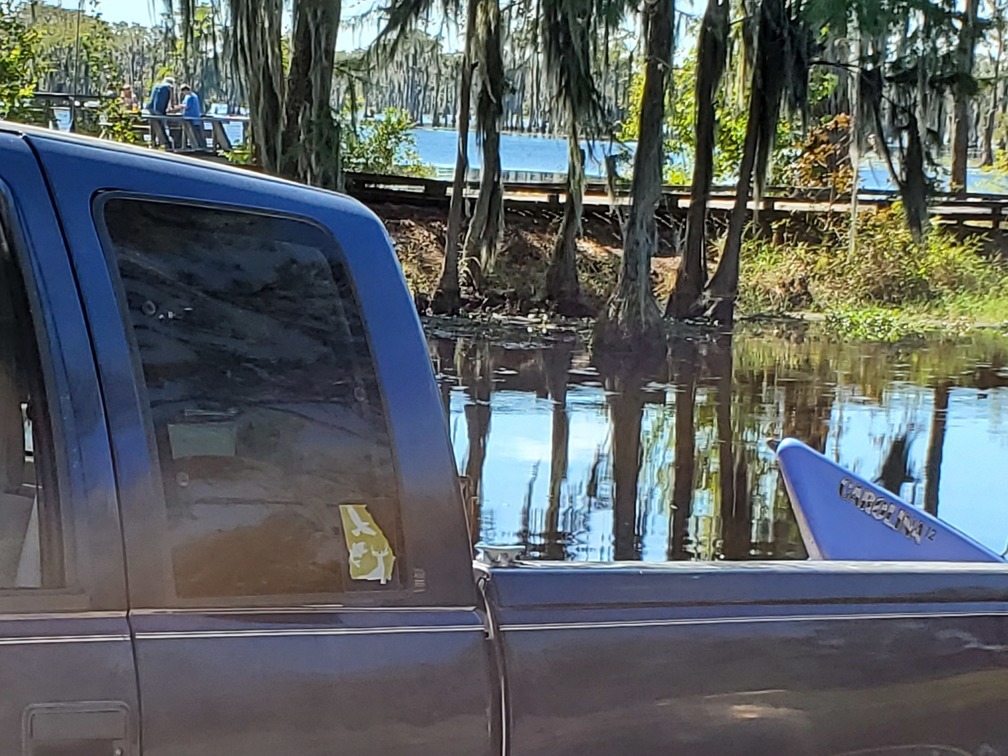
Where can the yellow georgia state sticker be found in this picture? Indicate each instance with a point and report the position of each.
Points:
(371, 557)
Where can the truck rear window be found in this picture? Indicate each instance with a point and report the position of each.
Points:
(266, 411)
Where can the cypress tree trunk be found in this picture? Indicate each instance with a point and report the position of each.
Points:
(724, 284)
(447, 298)
(256, 39)
(485, 226)
(519, 99)
(854, 150)
(1002, 143)
(562, 288)
(436, 112)
(535, 110)
(987, 158)
(712, 50)
(992, 111)
(773, 38)
(914, 187)
(632, 312)
(310, 134)
(963, 92)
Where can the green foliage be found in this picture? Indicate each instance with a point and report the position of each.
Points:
(18, 61)
(944, 276)
(93, 68)
(117, 123)
(822, 84)
(1001, 161)
(242, 154)
(990, 307)
(680, 136)
(887, 267)
(383, 145)
(629, 128)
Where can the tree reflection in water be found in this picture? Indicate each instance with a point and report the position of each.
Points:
(624, 378)
(936, 445)
(556, 364)
(474, 366)
(736, 505)
(683, 363)
(664, 456)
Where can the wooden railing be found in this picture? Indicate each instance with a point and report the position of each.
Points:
(173, 132)
(179, 134)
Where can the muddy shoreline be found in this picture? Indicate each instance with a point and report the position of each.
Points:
(515, 285)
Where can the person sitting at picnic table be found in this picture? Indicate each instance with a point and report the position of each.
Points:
(130, 102)
(192, 111)
(160, 102)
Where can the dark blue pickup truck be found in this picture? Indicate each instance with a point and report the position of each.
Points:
(230, 523)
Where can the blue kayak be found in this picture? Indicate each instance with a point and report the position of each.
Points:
(844, 517)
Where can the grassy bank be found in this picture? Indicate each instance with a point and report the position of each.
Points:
(885, 287)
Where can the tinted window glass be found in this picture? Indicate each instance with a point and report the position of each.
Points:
(33, 531)
(274, 453)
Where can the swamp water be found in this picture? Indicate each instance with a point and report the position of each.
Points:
(664, 456)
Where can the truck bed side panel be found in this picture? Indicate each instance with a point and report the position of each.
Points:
(802, 659)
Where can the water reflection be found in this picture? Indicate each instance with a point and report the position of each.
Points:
(665, 456)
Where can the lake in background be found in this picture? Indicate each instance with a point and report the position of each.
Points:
(584, 458)
(546, 156)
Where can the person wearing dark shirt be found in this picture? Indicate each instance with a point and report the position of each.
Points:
(160, 102)
(161, 97)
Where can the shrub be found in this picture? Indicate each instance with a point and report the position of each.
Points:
(383, 144)
(774, 277)
(888, 268)
(885, 269)
(824, 158)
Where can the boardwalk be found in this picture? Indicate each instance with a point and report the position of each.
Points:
(982, 211)
(975, 210)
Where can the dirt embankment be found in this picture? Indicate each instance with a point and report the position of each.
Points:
(515, 286)
(520, 270)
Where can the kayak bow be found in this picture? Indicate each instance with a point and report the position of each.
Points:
(844, 517)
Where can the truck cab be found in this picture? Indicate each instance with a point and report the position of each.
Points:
(230, 522)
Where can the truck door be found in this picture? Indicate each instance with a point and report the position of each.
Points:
(66, 664)
(300, 578)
